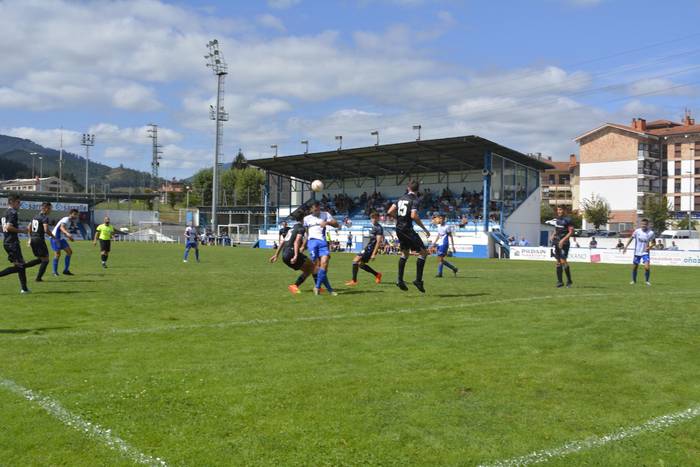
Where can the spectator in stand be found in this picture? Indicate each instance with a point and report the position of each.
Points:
(620, 246)
(523, 242)
(673, 247)
(593, 243)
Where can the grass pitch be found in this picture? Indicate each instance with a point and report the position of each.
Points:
(217, 364)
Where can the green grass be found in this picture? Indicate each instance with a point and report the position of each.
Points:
(214, 363)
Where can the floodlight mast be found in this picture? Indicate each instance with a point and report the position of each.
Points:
(87, 140)
(215, 61)
(155, 154)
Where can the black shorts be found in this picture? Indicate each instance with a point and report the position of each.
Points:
(301, 259)
(105, 245)
(39, 248)
(561, 253)
(410, 240)
(14, 253)
(366, 254)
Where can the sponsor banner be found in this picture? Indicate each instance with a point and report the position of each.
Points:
(585, 255)
(36, 205)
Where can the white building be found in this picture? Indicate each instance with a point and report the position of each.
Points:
(46, 184)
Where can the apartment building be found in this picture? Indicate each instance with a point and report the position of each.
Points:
(560, 185)
(46, 184)
(624, 163)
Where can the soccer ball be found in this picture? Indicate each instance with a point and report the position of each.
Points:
(317, 185)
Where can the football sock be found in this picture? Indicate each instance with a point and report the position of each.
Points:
(22, 273)
(440, 266)
(66, 263)
(8, 271)
(42, 269)
(355, 268)
(647, 273)
(300, 280)
(187, 252)
(32, 263)
(402, 267)
(55, 265)
(449, 265)
(634, 274)
(559, 273)
(567, 270)
(196, 254)
(420, 264)
(327, 283)
(315, 276)
(369, 269)
(104, 258)
(321, 276)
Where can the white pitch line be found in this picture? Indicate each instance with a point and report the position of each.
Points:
(300, 319)
(572, 447)
(92, 430)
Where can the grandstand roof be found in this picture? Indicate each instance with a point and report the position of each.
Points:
(425, 156)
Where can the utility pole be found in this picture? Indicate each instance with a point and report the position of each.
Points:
(87, 140)
(215, 61)
(155, 154)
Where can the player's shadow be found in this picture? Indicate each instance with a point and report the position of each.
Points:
(32, 330)
(360, 292)
(461, 295)
(65, 292)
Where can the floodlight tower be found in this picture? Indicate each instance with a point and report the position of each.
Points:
(156, 154)
(87, 140)
(215, 61)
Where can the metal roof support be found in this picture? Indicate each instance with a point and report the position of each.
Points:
(488, 159)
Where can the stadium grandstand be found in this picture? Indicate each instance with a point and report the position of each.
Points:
(488, 190)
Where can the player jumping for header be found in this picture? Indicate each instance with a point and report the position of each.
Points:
(442, 243)
(376, 237)
(643, 238)
(59, 243)
(316, 223)
(290, 247)
(406, 212)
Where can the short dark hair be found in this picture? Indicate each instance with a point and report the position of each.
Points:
(645, 219)
(414, 186)
(316, 203)
(298, 215)
(373, 213)
(74, 211)
(46, 204)
(13, 198)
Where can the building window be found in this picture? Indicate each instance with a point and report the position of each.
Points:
(676, 203)
(552, 179)
(677, 150)
(697, 204)
(677, 168)
(564, 179)
(677, 186)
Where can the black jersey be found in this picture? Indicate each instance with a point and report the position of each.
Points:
(37, 231)
(291, 237)
(405, 206)
(283, 232)
(375, 230)
(11, 219)
(561, 227)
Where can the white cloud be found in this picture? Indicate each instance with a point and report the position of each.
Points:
(659, 87)
(135, 97)
(282, 4)
(272, 22)
(50, 138)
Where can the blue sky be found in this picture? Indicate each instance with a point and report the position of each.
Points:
(528, 74)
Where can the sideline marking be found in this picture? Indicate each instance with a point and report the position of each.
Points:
(92, 430)
(655, 424)
(270, 321)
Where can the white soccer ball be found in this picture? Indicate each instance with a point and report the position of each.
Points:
(317, 185)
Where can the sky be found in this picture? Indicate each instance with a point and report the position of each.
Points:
(531, 75)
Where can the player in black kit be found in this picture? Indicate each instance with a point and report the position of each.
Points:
(376, 238)
(10, 229)
(283, 232)
(563, 230)
(38, 229)
(406, 212)
(291, 248)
